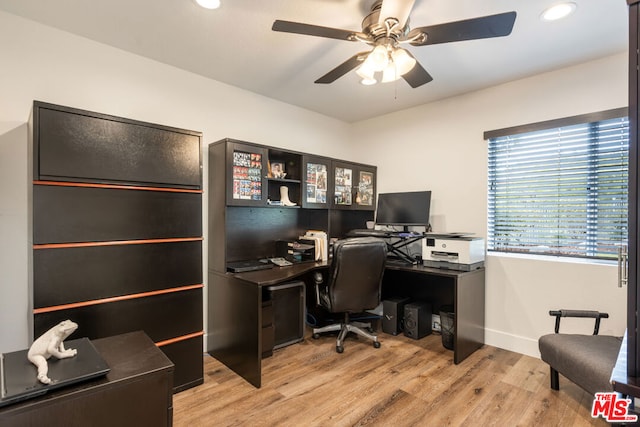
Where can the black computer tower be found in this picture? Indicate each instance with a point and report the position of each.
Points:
(393, 314)
(417, 320)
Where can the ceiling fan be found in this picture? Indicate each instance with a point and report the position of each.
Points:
(385, 28)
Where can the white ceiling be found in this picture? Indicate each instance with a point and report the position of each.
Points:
(235, 44)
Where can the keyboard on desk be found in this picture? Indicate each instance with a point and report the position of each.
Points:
(368, 233)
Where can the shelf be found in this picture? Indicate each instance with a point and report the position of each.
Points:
(284, 180)
(283, 207)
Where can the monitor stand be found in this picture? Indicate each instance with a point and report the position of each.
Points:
(398, 248)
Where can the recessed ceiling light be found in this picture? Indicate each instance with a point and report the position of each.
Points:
(209, 4)
(558, 11)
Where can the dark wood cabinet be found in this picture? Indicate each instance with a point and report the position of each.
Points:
(92, 147)
(317, 185)
(99, 272)
(463, 291)
(255, 174)
(354, 186)
(245, 179)
(284, 178)
(246, 174)
(136, 391)
(69, 213)
(117, 231)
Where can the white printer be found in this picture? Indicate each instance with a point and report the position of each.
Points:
(455, 251)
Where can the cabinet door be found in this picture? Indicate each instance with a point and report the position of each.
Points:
(365, 188)
(315, 182)
(246, 175)
(343, 181)
(78, 145)
(354, 186)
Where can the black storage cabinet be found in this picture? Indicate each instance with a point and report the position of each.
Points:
(117, 231)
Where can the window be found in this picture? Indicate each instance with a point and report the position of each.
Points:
(560, 187)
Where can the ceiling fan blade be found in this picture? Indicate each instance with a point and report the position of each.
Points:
(399, 9)
(417, 76)
(343, 68)
(313, 30)
(468, 29)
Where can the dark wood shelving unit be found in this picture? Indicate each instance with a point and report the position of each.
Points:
(242, 223)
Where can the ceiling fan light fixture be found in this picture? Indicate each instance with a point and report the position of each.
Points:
(391, 73)
(208, 4)
(400, 64)
(558, 11)
(378, 59)
(367, 74)
(386, 27)
(403, 61)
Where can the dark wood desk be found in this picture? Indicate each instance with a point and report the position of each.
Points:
(464, 290)
(235, 307)
(136, 392)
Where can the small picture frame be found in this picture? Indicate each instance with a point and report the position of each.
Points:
(278, 170)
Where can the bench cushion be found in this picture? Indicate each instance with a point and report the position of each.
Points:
(587, 360)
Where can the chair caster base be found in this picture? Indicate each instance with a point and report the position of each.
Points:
(376, 344)
(315, 336)
(339, 349)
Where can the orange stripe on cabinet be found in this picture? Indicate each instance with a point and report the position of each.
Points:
(115, 186)
(114, 243)
(115, 299)
(178, 339)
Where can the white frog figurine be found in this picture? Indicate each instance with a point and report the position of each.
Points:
(51, 344)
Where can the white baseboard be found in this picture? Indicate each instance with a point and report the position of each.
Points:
(515, 343)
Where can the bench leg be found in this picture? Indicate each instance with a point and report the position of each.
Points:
(555, 381)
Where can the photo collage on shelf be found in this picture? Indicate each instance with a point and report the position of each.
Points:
(247, 176)
(343, 186)
(316, 183)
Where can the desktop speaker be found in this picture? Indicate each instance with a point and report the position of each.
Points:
(392, 315)
(417, 320)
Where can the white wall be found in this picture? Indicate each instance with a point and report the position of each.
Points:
(440, 147)
(40, 63)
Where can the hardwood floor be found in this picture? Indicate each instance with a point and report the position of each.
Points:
(404, 383)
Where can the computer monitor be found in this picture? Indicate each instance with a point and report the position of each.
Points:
(404, 209)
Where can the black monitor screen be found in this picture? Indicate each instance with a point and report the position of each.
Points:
(408, 208)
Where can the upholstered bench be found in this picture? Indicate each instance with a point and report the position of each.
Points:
(586, 360)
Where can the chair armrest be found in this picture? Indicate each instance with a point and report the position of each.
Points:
(592, 314)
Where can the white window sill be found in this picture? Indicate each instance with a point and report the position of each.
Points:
(551, 258)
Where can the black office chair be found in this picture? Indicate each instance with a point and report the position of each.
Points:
(353, 285)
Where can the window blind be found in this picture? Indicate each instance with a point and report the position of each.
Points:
(560, 191)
